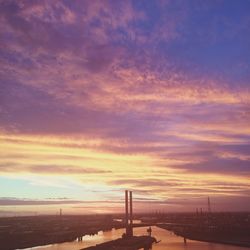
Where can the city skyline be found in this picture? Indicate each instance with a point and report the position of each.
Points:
(101, 96)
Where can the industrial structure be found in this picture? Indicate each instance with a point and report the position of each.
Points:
(208, 205)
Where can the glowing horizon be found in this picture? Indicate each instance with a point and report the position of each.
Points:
(102, 96)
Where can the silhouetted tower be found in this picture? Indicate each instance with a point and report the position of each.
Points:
(131, 208)
(60, 212)
(126, 208)
(129, 213)
(208, 205)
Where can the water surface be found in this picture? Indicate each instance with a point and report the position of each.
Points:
(168, 241)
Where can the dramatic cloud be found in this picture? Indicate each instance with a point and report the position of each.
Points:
(99, 96)
(25, 202)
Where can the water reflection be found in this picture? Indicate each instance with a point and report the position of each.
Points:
(168, 241)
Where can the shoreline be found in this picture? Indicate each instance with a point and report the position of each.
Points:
(208, 239)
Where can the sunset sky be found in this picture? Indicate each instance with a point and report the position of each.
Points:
(101, 96)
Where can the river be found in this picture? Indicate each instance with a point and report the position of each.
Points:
(168, 241)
